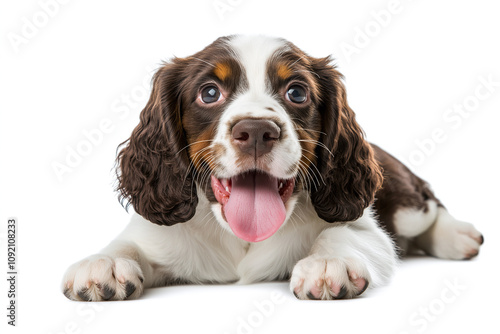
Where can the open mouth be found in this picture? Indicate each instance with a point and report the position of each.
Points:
(253, 203)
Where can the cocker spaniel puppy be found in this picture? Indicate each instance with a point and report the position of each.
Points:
(248, 165)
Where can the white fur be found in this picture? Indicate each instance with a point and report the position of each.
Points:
(254, 52)
(410, 222)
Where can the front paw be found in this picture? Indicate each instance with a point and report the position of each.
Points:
(101, 277)
(336, 278)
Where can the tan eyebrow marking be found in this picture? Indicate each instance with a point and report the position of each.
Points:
(222, 71)
(284, 72)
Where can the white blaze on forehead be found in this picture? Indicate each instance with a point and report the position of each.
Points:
(254, 53)
(257, 101)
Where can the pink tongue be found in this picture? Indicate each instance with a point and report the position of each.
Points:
(255, 210)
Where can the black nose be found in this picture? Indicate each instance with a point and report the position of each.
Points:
(255, 137)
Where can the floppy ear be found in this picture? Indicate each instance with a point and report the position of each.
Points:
(153, 176)
(346, 163)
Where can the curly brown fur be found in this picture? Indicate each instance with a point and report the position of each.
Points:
(346, 162)
(153, 171)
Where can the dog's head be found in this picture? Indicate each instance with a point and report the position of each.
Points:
(251, 121)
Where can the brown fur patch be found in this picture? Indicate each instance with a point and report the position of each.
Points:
(400, 189)
(199, 151)
(308, 144)
(283, 71)
(222, 71)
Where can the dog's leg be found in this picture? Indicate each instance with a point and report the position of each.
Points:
(120, 271)
(344, 261)
(147, 255)
(410, 211)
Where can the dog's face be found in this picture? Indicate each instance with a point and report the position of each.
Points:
(251, 121)
(258, 103)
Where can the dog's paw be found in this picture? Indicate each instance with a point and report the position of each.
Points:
(454, 239)
(101, 277)
(324, 279)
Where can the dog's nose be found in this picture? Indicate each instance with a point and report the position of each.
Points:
(255, 136)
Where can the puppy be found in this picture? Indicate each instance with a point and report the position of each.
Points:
(248, 165)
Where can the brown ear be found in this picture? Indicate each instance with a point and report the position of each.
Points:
(346, 162)
(153, 169)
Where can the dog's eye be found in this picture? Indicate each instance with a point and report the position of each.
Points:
(210, 94)
(296, 94)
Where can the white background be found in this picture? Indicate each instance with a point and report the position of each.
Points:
(88, 58)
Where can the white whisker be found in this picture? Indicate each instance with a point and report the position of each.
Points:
(204, 61)
(319, 144)
(196, 142)
(316, 74)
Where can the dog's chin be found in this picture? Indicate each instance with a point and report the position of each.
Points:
(253, 205)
